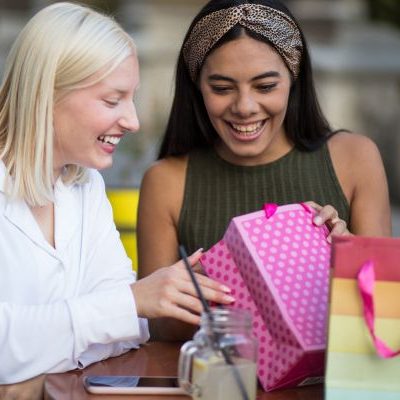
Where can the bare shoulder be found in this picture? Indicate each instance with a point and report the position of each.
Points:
(167, 168)
(162, 187)
(359, 168)
(166, 172)
(357, 163)
(351, 148)
(356, 159)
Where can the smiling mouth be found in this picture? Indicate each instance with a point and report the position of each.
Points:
(114, 140)
(247, 130)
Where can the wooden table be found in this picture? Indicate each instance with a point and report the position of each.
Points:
(154, 358)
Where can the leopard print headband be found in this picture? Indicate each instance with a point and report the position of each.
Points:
(274, 25)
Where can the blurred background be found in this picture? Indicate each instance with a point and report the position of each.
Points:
(355, 48)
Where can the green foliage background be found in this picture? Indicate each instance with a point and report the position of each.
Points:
(385, 10)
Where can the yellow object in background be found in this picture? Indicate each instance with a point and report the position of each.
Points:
(124, 202)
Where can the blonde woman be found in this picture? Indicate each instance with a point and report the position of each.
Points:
(68, 295)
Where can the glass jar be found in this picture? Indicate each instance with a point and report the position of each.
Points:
(220, 362)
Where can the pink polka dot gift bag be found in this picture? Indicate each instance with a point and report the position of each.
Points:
(276, 262)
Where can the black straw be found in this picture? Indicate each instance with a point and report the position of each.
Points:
(207, 310)
(200, 295)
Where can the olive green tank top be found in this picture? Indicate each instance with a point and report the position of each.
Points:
(216, 191)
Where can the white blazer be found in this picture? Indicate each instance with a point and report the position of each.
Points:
(65, 307)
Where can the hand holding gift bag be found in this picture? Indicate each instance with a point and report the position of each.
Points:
(364, 322)
(277, 263)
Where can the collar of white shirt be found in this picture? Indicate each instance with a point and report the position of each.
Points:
(67, 216)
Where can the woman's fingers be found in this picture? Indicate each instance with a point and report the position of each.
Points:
(198, 269)
(339, 227)
(195, 257)
(202, 279)
(207, 282)
(329, 215)
(314, 205)
(168, 291)
(211, 290)
(214, 291)
(185, 316)
(186, 298)
(173, 306)
(326, 214)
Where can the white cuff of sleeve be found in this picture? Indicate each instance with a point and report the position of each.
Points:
(105, 317)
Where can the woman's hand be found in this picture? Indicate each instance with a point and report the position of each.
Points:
(328, 215)
(169, 292)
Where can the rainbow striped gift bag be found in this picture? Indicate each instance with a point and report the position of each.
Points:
(364, 320)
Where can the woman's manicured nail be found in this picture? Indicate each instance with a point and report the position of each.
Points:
(230, 299)
(318, 220)
(225, 289)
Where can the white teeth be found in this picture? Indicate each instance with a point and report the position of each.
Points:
(110, 139)
(247, 129)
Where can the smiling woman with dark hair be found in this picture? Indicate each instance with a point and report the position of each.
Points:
(246, 129)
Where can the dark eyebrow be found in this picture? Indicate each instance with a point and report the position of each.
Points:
(269, 74)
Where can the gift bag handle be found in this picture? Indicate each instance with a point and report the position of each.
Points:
(366, 282)
(270, 209)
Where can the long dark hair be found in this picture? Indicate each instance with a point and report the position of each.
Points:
(189, 126)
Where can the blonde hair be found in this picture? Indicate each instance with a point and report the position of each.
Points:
(58, 50)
